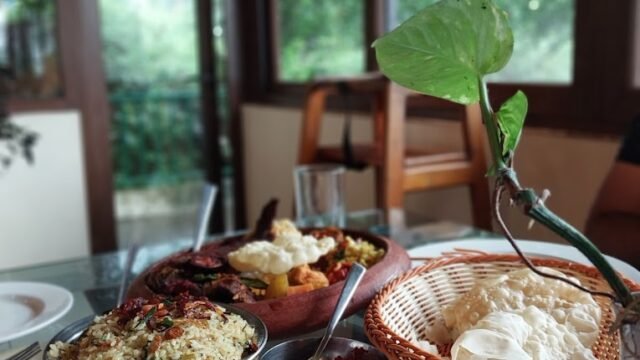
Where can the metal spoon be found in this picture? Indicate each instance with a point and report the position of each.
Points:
(350, 285)
(208, 198)
(132, 251)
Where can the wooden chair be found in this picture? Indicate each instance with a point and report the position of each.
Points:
(398, 169)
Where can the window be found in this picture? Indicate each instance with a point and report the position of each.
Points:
(401, 10)
(543, 29)
(543, 49)
(28, 49)
(574, 59)
(151, 57)
(319, 38)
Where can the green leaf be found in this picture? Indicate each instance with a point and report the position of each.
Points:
(254, 283)
(492, 171)
(511, 120)
(205, 277)
(443, 50)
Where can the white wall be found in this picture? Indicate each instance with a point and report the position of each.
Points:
(43, 211)
(571, 166)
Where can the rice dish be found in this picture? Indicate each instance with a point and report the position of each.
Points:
(181, 328)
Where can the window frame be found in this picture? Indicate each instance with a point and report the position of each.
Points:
(83, 89)
(599, 100)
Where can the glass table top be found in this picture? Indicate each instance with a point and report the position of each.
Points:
(94, 280)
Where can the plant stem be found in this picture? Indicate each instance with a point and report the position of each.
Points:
(507, 233)
(492, 127)
(551, 221)
(535, 208)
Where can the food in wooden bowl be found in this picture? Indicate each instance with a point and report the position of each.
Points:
(286, 276)
(182, 327)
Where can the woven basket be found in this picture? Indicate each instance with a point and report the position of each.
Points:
(404, 309)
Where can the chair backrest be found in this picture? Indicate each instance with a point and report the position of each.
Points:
(395, 172)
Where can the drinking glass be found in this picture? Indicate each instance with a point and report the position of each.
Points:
(630, 341)
(319, 195)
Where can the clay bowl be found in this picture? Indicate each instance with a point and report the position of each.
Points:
(298, 314)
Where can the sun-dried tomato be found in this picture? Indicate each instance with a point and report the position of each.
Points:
(155, 344)
(173, 333)
(129, 309)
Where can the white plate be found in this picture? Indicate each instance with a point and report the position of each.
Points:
(26, 307)
(534, 248)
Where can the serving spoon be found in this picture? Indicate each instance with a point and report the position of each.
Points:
(132, 251)
(208, 198)
(350, 285)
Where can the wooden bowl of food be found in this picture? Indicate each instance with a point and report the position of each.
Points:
(311, 291)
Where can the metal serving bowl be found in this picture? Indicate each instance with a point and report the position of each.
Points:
(302, 349)
(75, 330)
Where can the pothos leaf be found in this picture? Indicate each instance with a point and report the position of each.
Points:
(492, 171)
(446, 48)
(511, 120)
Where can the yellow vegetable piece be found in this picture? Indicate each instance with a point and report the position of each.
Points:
(278, 287)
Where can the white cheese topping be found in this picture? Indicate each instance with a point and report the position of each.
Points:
(289, 249)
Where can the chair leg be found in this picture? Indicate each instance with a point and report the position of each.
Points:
(311, 122)
(480, 197)
(379, 126)
(474, 140)
(393, 159)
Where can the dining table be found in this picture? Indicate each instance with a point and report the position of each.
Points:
(94, 280)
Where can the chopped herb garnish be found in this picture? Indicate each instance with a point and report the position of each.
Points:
(254, 283)
(147, 316)
(168, 322)
(205, 277)
(145, 350)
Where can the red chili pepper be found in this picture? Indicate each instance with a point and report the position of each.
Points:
(338, 272)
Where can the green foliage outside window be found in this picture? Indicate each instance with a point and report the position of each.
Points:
(325, 37)
(544, 29)
(319, 38)
(151, 60)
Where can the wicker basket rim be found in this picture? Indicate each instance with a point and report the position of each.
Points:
(374, 308)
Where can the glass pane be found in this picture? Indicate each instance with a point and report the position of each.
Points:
(544, 38)
(319, 38)
(400, 10)
(221, 55)
(28, 49)
(151, 59)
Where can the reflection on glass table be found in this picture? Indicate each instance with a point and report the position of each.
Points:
(93, 281)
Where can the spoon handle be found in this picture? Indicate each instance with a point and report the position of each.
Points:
(132, 251)
(208, 197)
(350, 285)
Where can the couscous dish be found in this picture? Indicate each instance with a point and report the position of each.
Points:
(180, 328)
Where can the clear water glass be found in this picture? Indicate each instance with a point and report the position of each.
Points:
(630, 341)
(320, 195)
